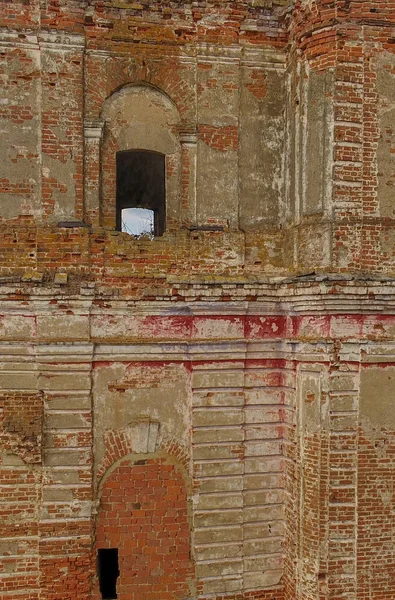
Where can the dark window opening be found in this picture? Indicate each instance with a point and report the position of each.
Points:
(141, 192)
(108, 571)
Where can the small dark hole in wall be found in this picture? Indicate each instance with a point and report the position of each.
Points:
(108, 572)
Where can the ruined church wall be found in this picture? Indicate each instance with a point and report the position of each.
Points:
(290, 144)
(278, 456)
(256, 413)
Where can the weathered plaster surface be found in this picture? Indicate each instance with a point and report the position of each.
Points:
(215, 402)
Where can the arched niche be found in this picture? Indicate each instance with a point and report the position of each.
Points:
(140, 117)
(143, 516)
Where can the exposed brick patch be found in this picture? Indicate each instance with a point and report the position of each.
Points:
(147, 376)
(257, 85)
(63, 15)
(20, 497)
(219, 138)
(61, 132)
(66, 578)
(376, 560)
(165, 74)
(20, 13)
(21, 417)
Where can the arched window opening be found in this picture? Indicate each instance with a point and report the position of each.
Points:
(140, 196)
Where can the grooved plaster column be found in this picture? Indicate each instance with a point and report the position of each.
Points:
(313, 472)
(217, 452)
(65, 511)
(342, 493)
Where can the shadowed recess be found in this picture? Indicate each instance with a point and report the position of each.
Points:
(141, 184)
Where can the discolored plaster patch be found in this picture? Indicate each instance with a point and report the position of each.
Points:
(377, 399)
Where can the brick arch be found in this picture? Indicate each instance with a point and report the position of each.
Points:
(141, 436)
(114, 73)
(144, 513)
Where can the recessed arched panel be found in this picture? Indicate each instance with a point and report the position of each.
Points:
(141, 157)
(143, 515)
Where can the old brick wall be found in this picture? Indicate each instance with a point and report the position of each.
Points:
(252, 401)
(290, 457)
(341, 512)
(62, 167)
(254, 105)
(344, 55)
(20, 479)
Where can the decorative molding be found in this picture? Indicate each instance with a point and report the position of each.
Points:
(138, 437)
(188, 137)
(25, 39)
(143, 435)
(61, 39)
(93, 130)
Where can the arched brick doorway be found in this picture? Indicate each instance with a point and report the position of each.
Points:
(143, 514)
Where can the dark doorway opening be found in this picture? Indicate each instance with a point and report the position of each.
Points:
(141, 185)
(108, 571)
